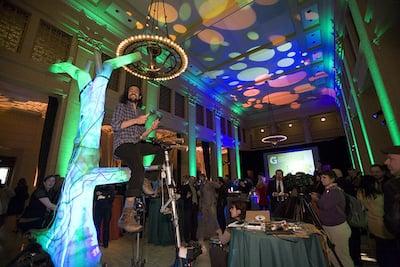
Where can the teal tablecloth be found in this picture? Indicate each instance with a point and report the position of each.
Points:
(253, 249)
(160, 231)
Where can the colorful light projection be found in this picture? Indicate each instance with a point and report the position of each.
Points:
(280, 98)
(71, 240)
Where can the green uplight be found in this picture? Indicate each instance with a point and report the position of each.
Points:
(192, 139)
(218, 144)
(151, 104)
(237, 151)
(359, 114)
(352, 132)
(380, 88)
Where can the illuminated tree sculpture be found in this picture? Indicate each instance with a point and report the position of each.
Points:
(71, 240)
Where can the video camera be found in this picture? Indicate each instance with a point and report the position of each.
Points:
(299, 181)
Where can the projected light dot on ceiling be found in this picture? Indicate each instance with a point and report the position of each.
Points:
(284, 47)
(187, 43)
(258, 106)
(295, 105)
(266, 2)
(225, 43)
(238, 66)
(208, 59)
(225, 77)
(172, 37)
(329, 92)
(298, 66)
(179, 28)
(235, 54)
(311, 15)
(170, 12)
(252, 49)
(258, 101)
(262, 78)
(233, 83)
(304, 54)
(287, 80)
(252, 99)
(211, 37)
(280, 98)
(279, 71)
(253, 36)
(246, 105)
(291, 54)
(239, 20)
(214, 73)
(304, 88)
(277, 39)
(251, 92)
(139, 25)
(185, 11)
(262, 55)
(211, 9)
(285, 62)
(251, 74)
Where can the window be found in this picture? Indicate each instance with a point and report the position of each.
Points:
(165, 99)
(114, 78)
(179, 105)
(210, 121)
(13, 24)
(51, 44)
(223, 126)
(229, 128)
(199, 114)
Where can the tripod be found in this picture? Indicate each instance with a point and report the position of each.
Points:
(304, 206)
(169, 206)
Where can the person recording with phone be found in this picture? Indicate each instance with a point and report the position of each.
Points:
(130, 134)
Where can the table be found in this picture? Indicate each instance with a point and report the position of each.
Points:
(252, 249)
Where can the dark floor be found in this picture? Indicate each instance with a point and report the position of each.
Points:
(120, 252)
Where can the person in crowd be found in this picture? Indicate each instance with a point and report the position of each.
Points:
(6, 194)
(233, 184)
(190, 208)
(130, 146)
(277, 190)
(208, 223)
(17, 202)
(380, 173)
(347, 184)
(222, 200)
(391, 191)
(219, 254)
(372, 200)
(262, 192)
(317, 186)
(355, 177)
(245, 185)
(39, 211)
(104, 197)
(332, 206)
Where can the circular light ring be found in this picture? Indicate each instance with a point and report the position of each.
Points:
(135, 43)
(274, 139)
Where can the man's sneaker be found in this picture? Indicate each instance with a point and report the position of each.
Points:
(147, 188)
(128, 222)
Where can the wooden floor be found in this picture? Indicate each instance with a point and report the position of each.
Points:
(120, 252)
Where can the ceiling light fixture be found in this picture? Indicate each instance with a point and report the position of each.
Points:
(290, 125)
(274, 137)
(163, 59)
(323, 119)
(262, 130)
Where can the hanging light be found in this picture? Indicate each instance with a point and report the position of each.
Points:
(163, 59)
(274, 136)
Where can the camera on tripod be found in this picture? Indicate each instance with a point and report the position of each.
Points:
(299, 181)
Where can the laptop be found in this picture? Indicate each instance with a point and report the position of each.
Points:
(257, 216)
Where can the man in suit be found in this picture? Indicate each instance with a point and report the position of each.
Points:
(278, 191)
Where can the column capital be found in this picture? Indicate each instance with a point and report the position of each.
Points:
(89, 32)
(218, 112)
(235, 121)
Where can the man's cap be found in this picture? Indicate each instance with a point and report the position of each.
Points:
(391, 150)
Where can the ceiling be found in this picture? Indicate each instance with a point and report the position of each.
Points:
(253, 54)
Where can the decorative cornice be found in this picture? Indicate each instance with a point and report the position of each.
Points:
(87, 32)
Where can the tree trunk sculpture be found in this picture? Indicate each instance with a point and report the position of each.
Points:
(71, 240)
